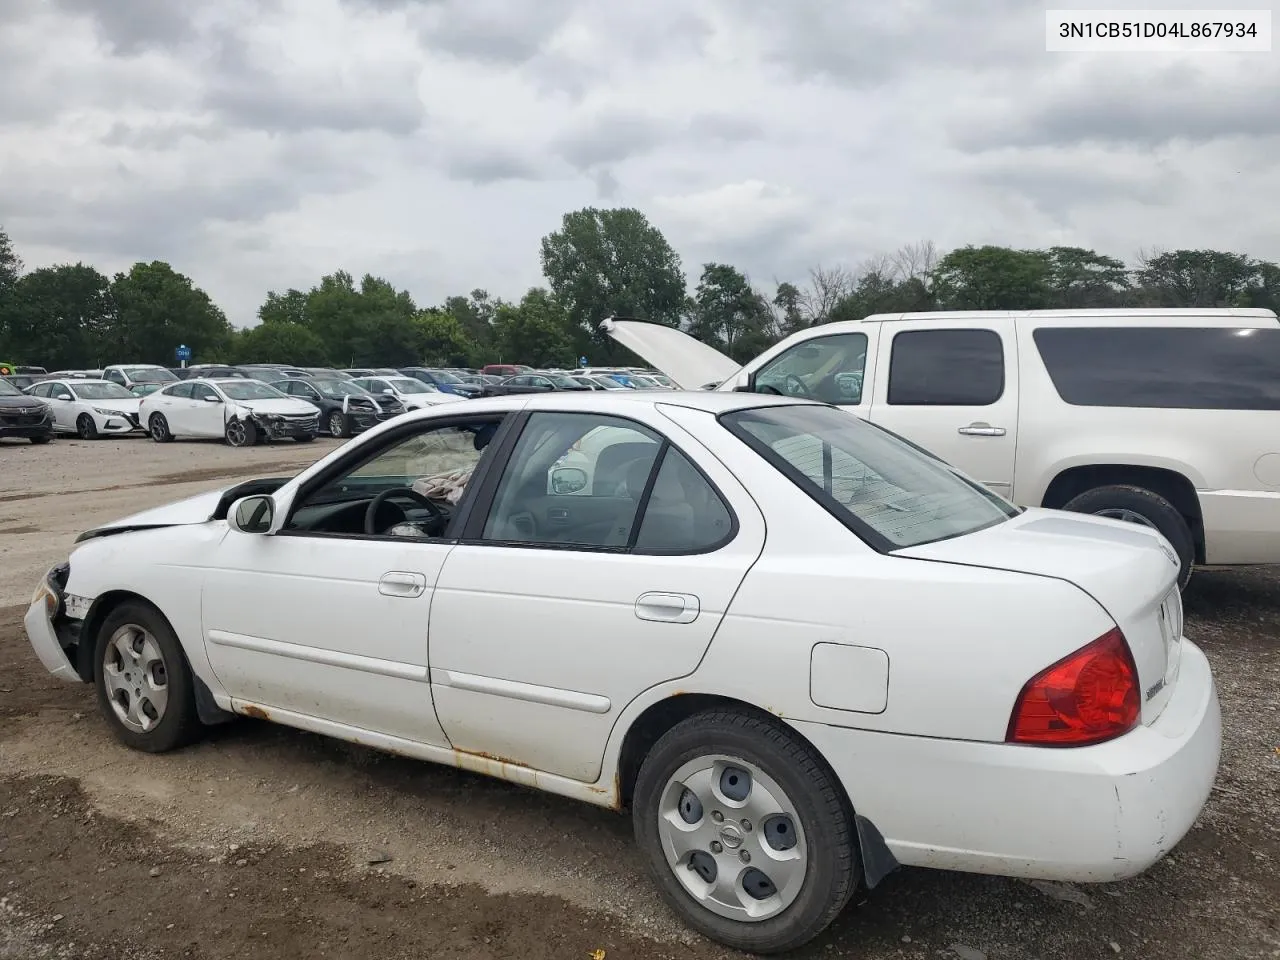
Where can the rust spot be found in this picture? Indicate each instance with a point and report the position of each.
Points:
(493, 757)
(249, 710)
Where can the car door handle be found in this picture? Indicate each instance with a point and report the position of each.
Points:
(398, 584)
(668, 607)
(982, 430)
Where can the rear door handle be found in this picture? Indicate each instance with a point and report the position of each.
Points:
(982, 430)
(668, 607)
(400, 584)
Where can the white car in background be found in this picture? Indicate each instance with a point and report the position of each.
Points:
(803, 652)
(242, 412)
(129, 374)
(89, 408)
(413, 393)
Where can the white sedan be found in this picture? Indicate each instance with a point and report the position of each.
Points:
(802, 653)
(413, 393)
(89, 408)
(242, 412)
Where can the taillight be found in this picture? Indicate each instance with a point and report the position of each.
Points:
(1087, 697)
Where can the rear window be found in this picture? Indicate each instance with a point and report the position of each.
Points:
(882, 488)
(1184, 368)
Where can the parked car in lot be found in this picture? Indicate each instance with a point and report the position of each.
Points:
(907, 670)
(22, 380)
(357, 372)
(269, 372)
(242, 412)
(536, 382)
(414, 394)
(442, 381)
(504, 370)
(1167, 418)
(127, 374)
(346, 408)
(208, 370)
(23, 416)
(89, 408)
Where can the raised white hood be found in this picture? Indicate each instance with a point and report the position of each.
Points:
(689, 363)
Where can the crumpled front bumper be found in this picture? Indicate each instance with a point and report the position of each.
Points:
(54, 636)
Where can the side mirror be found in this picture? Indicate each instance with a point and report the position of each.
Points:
(63, 396)
(567, 480)
(388, 391)
(212, 399)
(742, 382)
(252, 514)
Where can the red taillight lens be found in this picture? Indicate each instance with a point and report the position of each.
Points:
(1085, 698)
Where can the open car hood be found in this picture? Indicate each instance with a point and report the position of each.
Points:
(689, 363)
(203, 507)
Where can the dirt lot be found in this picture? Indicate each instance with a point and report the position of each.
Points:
(265, 842)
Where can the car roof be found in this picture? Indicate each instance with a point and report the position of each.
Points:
(618, 401)
(1105, 316)
(78, 381)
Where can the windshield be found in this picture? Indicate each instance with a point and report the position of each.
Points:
(101, 391)
(7, 389)
(142, 389)
(445, 377)
(608, 383)
(410, 385)
(882, 488)
(148, 374)
(562, 381)
(250, 390)
(339, 388)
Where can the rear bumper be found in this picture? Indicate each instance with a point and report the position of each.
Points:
(1085, 814)
(1241, 526)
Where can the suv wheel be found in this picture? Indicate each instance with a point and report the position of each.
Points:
(1139, 505)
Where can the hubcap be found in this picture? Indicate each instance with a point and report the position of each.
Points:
(235, 433)
(157, 429)
(335, 425)
(1128, 516)
(733, 838)
(86, 425)
(137, 681)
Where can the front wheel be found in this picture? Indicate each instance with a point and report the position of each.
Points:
(746, 831)
(144, 684)
(241, 433)
(339, 427)
(86, 429)
(1141, 506)
(40, 441)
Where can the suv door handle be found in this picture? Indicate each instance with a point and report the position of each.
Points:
(982, 430)
(399, 584)
(668, 607)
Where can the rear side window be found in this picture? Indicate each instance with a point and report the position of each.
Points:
(946, 368)
(1183, 368)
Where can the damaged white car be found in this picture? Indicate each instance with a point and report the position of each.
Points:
(801, 651)
(242, 412)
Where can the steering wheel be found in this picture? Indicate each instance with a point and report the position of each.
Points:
(800, 389)
(371, 512)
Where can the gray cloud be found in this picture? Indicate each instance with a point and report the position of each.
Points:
(132, 26)
(491, 31)
(482, 165)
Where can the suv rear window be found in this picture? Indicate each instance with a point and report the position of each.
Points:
(884, 490)
(1183, 368)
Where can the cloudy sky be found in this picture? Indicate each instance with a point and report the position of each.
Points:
(258, 144)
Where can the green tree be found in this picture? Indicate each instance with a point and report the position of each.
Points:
(57, 316)
(287, 307)
(371, 323)
(612, 262)
(788, 301)
(533, 331)
(475, 314)
(280, 341)
(10, 264)
(1083, 278)
(993, 278)
(441, 340)
(1197, 278)
(157, 309)
(728, 314)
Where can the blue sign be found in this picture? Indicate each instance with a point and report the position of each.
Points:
(183, 353)
(582, 361)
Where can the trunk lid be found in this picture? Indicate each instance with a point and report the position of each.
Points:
(689, 363)
(1130, 570)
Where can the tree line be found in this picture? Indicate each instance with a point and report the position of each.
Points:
(600, 262)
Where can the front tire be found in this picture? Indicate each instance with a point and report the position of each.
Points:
(158, 427)
(41, 441)
(339, 425)
(1141, 506)
(241, 433)
(144, 684)
(86, 429)
(746, 831)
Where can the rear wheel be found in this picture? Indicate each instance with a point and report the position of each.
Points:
(158, 427)
(746, 831)
(1139, 505)
(86, 429)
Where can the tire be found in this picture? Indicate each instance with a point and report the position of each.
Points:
(86, 429)
(158, 427)
(240, 433)
(775, 760)
(305, 438)
(41, 441)
(142, 629)
(1139, 505)
(339, 425)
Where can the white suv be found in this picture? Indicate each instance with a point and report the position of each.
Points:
(1169, 418)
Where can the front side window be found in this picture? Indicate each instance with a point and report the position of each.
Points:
(407, 489)
(881, 488)
(149, 375)
(202, 391)
(114, 375)
(946, 368)
(182, 390)
(827, 369)
(1183, 368)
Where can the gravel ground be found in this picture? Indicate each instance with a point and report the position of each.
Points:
(267, 842)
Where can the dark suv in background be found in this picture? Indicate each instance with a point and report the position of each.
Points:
(24, 416)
